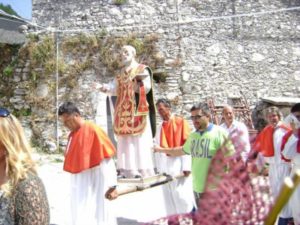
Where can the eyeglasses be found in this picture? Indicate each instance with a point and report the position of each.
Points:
(4, 112)
(197, 117)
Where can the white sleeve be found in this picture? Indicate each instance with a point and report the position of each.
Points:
(186, 162)
(290, 148)
(158, 156)
(157, 135)
(147, 84)
(246, 141)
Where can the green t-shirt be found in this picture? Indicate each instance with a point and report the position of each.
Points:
(202, 147)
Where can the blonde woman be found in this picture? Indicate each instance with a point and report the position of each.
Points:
(23, 198)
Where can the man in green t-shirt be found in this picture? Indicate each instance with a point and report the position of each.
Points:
(202, 145)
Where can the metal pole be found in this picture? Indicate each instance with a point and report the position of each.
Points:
(56, 87)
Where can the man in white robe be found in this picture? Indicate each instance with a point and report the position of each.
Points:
(173, 132)
(291, 150)
(268, 143)
(88, 160)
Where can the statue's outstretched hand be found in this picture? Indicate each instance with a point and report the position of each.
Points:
(101, 87)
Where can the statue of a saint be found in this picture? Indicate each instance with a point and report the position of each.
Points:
(134, 116)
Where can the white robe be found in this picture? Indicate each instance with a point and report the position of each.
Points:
(178, 194)
(290, 152)
(278, 170)
(88, 203)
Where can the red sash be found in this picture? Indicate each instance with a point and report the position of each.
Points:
(87, 147)
(174, 132)
(264, 140)
(284, 141)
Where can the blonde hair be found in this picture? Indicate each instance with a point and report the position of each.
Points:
(19, 162)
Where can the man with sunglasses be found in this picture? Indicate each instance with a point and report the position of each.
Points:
(202, 145)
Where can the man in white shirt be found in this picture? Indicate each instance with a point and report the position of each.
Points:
(236, 130)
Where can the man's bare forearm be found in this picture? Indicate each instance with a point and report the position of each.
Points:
(176, 151)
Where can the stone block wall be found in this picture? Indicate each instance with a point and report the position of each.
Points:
(212, 49)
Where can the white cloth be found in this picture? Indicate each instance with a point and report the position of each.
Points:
(239, 129)
(178, 193)
(88, 203)
(278, 170)
(134, 152)
(290, 152)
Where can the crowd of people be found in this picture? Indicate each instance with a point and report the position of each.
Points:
(143, 150)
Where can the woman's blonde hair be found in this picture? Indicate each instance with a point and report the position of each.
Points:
(19, 162)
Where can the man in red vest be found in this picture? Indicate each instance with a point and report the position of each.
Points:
(173, 132)
(268, 143)
(88, 158)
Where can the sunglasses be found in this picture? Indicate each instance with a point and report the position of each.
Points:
(4, 112)
(197, 117)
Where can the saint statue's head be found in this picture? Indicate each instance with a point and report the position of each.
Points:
(128, 54)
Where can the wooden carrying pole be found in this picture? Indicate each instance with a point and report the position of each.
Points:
(141, 187)
(286, 192)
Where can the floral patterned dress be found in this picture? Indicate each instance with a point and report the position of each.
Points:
(28, 204)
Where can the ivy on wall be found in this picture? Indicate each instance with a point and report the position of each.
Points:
(107, 48)
(8, 62)
(120, 2)
(77, 53)
(40, 52)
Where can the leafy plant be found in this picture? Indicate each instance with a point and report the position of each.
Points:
(8, 71)
(119, 2)
(22, 112)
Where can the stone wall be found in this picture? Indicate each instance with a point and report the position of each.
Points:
(207, 54)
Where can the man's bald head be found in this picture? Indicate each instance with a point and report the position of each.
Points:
(228, 114)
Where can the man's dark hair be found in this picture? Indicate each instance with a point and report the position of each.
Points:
(203, 107)
(164, 101)
(68, 108)
(295, 108)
